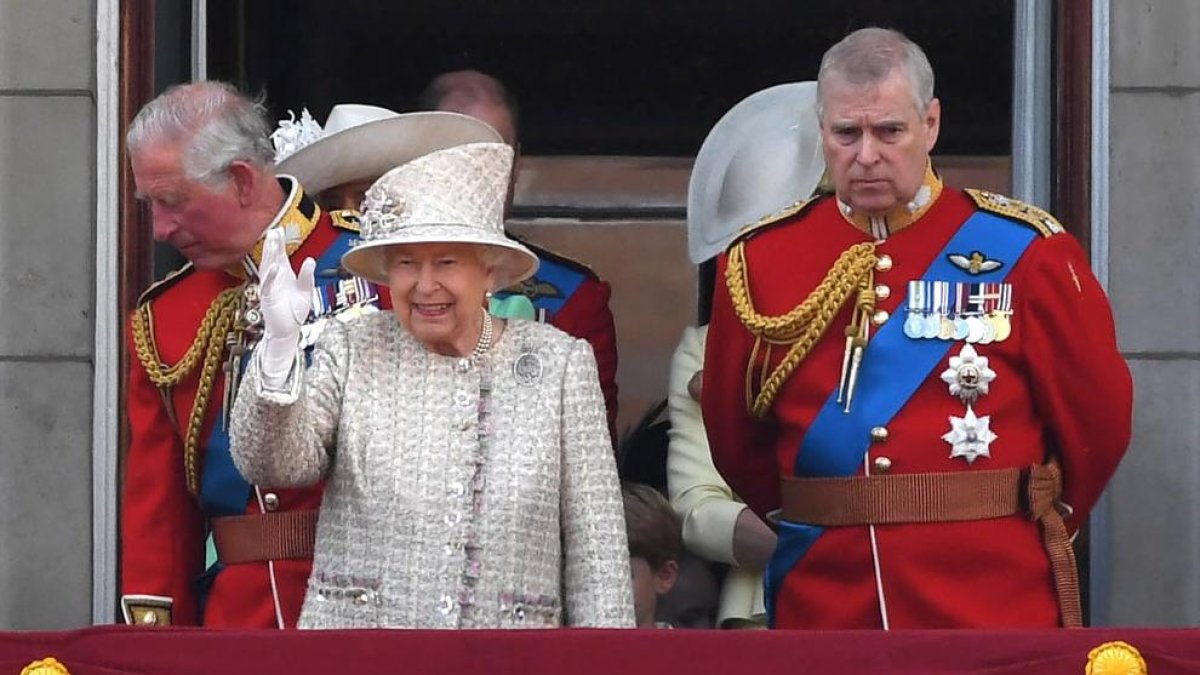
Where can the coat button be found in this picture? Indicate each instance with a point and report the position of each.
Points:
(883, 465)
(883, 291)
(464, 365)
(880, 317)
(271, 501)
(883, 263)
(879, 434)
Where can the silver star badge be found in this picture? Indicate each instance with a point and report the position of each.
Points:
(970, 436)
(968, 375)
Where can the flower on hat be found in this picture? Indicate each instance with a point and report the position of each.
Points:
(378, 202)
(293, 134)
(452, 195)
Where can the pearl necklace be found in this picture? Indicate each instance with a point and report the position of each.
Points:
(485, 337)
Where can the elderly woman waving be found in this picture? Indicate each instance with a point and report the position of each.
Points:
(471, 482)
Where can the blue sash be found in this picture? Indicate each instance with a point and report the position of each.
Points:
(223, 491)
(562, 277)
(893, 367)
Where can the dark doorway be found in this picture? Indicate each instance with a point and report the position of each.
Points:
(605, 77)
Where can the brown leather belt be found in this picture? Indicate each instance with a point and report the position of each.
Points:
(265, 536)
(945, 497)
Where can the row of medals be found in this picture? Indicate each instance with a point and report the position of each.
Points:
(346, 298)
(977, 313)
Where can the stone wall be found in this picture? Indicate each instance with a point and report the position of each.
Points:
(1154, 200)
(47, 286)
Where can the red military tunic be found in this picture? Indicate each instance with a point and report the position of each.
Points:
(164, 525)
(1061, 389)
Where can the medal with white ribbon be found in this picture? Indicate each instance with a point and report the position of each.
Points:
(914, 323)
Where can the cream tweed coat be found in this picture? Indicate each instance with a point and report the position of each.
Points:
(460, 493)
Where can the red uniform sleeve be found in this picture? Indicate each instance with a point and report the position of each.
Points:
(742, 448)
(162, 528)
(586, 315)
(1082, 386)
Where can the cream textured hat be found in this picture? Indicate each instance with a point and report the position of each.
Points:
(361, 142)
(759, 158)
(456, 195)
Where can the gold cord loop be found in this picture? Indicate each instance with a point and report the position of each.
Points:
(866, 299)
(804, 325)
(209, 343)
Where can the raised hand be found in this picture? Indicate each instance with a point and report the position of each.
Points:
(286, 301)
(286, 297)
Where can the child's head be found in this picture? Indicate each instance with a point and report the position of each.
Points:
(655, 546)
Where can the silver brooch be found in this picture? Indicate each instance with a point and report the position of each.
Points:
(527, 369)
(970, 436)
(968, 375)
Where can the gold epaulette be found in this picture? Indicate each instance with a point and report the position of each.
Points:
(345, 219)
(156, 289)
(546, 254)
(772, 219)
(1015, 209)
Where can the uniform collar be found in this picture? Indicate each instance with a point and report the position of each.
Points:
(298, 216)
(902, 215)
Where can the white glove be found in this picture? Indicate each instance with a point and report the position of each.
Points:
(286, 301)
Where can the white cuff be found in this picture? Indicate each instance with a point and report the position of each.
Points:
(708, 529)
(277, 358)
(280, 376)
